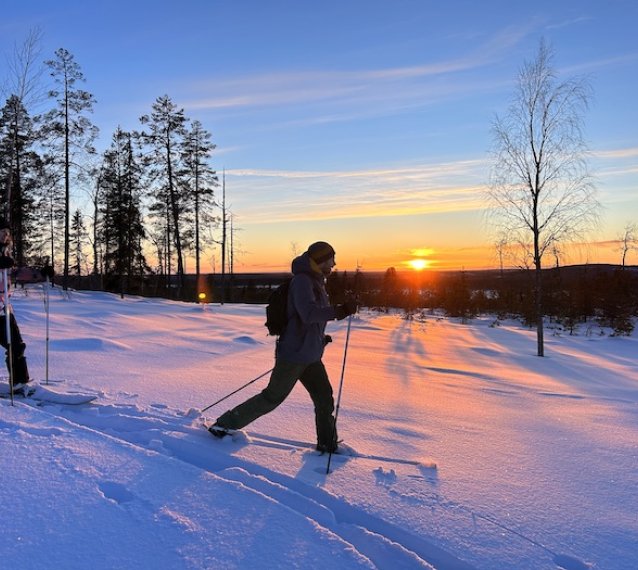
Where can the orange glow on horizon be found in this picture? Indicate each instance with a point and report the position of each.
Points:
(375, 257)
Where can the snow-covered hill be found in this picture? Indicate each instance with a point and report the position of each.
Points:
(536, 459)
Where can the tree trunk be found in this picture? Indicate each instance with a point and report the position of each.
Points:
(174, 208)
(538, 305)
(67, 193)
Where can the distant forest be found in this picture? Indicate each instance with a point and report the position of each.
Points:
(573, 295)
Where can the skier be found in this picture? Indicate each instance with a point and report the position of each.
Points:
(20, 370)
(299, 350)
(48, 272)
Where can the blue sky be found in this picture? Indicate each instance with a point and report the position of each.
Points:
(363, 123)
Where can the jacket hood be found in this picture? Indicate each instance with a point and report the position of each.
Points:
(303, 264)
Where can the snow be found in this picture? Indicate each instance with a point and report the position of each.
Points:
(536, 458)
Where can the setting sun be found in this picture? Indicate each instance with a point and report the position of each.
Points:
(419, 264)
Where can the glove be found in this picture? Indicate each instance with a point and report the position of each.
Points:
(6, 262)
(327, 339)
(348, 308)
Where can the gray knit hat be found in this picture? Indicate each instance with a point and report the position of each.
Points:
(320, 251)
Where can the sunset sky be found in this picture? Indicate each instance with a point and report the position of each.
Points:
(364, 123)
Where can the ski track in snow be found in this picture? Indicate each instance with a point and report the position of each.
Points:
(159, 428)
(181, 435)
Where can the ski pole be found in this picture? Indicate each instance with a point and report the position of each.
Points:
(238, 389)
(343, 370)
(46, 346)
(7, 319)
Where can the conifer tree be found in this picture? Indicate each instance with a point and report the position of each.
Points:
(200, 180)
(21, 169)
(78, 240)
(69, 131)
(121, 230)
(165, 133)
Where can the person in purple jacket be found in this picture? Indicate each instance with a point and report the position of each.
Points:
(299, 350)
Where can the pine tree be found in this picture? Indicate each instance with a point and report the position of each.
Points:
(69, 131)
(200, 180)
(78, 239)
(121, 230)
(165, 134)
(389, 288)
(21, 168)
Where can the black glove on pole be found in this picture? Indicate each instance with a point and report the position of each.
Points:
(345, 310)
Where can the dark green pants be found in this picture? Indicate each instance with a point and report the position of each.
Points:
(314, 379)
(20, 369)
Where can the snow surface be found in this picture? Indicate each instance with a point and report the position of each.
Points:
(536, 458)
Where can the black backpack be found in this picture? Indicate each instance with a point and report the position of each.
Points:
(276, 309)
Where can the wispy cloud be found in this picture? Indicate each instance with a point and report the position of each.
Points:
(597, 64)
(404, 190)
(568, 23)
(306, 195)
(356, 87)
(616, 162)
(631, 152)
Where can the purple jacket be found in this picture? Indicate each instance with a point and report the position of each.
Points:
(308, 312)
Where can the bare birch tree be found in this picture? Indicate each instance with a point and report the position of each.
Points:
(628, 241)
(540, 192)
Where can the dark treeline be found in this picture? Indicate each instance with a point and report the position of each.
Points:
(573, 295)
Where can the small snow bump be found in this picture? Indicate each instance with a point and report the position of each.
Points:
(570, 563)
(243, 339)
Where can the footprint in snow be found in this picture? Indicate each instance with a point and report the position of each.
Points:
(116, 492)
(384, 477)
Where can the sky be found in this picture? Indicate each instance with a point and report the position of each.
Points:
(362, 123)
(465, 451)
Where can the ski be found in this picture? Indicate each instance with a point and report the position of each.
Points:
(47, 395)
(19, 392)
(344, 451)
